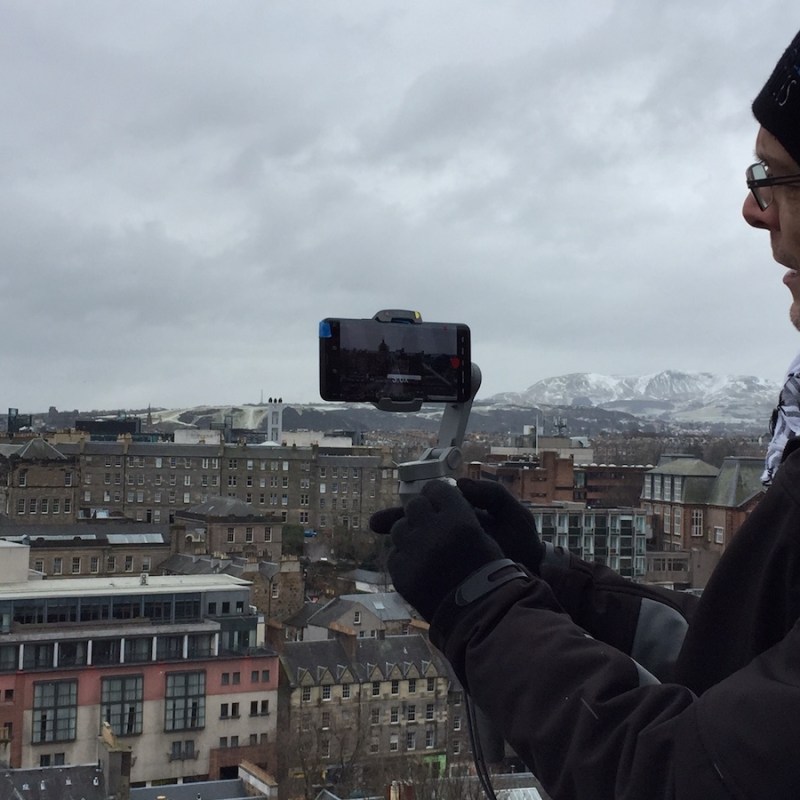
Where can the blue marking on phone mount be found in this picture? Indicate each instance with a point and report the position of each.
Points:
(325, 330)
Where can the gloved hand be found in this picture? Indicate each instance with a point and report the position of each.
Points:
(436, 544)
(506, 520)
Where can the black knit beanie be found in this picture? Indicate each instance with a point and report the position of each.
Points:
(777, 106)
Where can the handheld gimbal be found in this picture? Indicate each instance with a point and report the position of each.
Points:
(443, 461)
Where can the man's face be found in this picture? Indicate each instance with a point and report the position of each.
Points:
(782, 217)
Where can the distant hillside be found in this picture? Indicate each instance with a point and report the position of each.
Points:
(585, 404)
(669, 397)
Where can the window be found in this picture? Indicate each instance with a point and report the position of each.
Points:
(411, 713)
(128, 563)
(431, 684)
(374, 716)
(55, 711)
(326, 692)
(376, 688)
(719, 535)
(393, 743)
(411, 740)
(697, 522)
(122, 704)
(395, 687)
(356, 618)
(412, 685)
(326, 720)
(248, 534)
(58, 567)
(430, 739)
(183, 751)
(185, 701)
(345, 691)
(76, 565)
(456, 723)
(429, 712)
(305, 694)
(94, 565)
(394, 714)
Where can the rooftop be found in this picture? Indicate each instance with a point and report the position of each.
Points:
(102, 587)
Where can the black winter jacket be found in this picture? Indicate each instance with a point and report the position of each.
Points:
(609, 689)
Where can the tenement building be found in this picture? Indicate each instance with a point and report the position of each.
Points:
(172, 665)
(364, 712)
(316, 487)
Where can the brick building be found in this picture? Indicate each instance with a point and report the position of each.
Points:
(173, 664)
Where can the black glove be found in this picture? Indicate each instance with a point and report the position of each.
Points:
(506, 520)
(382, 521)
(436, 544)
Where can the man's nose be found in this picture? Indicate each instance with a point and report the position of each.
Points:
(753, 214)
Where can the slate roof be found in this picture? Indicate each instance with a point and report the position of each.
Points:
(222, 508)
(685, 467)
(111, 532)
(82, 782)
(315, 659)
(300, 619)
(187, 564)
(739, 480)
(387, 606)
(40, 450)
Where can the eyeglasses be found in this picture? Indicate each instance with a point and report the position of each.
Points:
(760, 183)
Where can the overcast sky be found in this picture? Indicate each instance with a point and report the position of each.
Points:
(189, 187)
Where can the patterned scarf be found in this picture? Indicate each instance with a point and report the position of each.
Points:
(785, 421)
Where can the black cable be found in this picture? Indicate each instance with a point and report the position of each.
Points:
(481, 769)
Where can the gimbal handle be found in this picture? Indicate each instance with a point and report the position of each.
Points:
(444, 460)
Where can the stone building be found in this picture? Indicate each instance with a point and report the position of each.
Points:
(38, 482)
(319, 488)
(363, 712)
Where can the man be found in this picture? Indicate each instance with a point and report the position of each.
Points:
(609, 689)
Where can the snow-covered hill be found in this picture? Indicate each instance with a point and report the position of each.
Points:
(678, 396)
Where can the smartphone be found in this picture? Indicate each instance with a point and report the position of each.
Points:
(367, 360)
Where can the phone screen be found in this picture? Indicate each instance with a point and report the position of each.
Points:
(365, 361)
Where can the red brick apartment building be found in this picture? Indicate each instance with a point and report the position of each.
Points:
(173, 664)
(550, 477)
